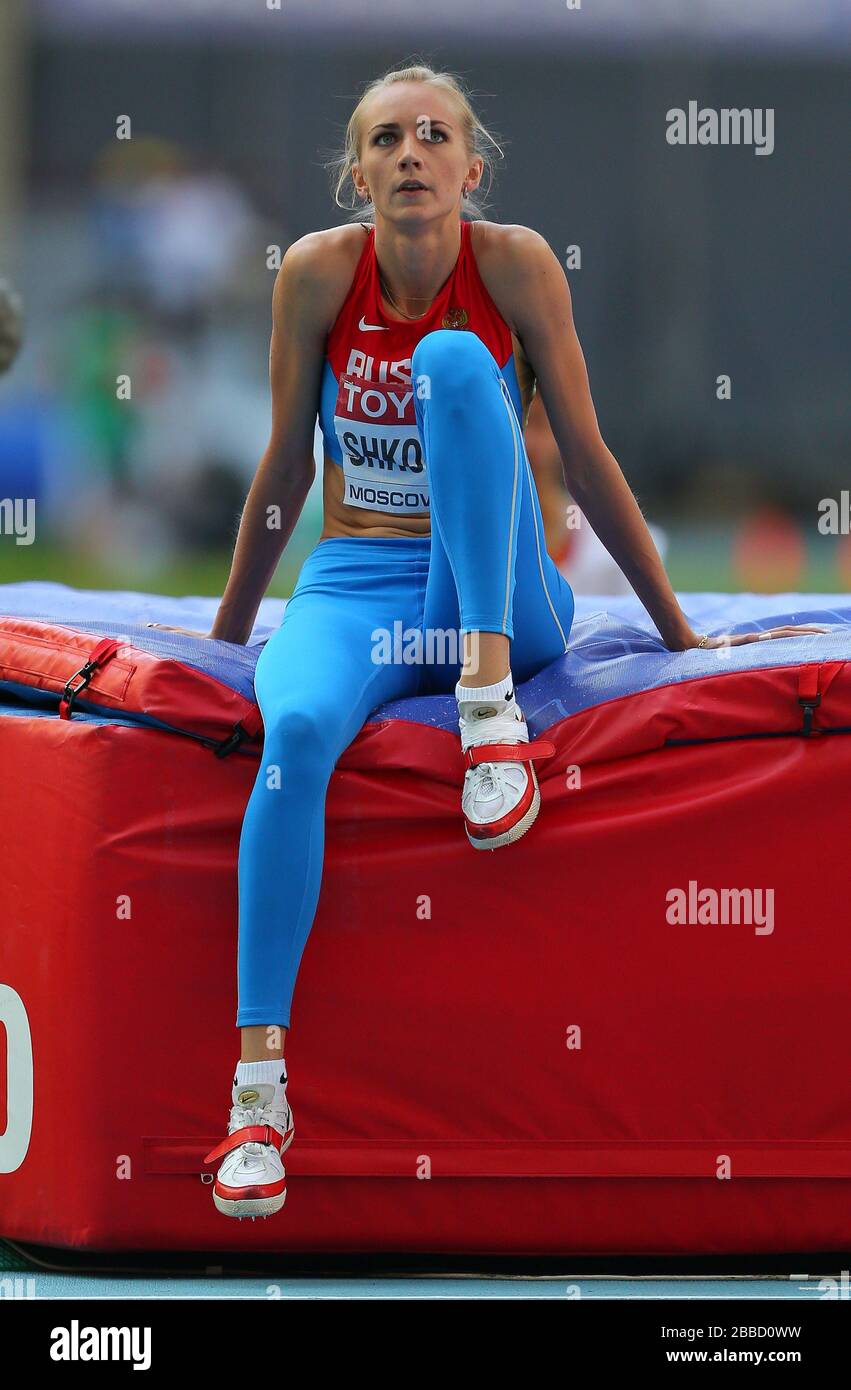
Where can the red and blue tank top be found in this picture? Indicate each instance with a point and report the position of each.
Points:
(366, 411)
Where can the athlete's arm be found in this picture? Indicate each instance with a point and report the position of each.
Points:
(534, 289)
(301, 301)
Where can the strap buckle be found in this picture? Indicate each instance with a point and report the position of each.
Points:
(105, 649)
(808, 705)
(248, 727)
(234, 739)
(809, 696)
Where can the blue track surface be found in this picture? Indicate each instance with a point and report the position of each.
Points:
(75, 1286)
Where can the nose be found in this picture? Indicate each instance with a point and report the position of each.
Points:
(409, 152)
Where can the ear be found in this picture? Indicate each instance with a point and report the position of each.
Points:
(474, 173)
(358, 180)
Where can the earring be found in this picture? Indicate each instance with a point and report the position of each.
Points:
(464, 191)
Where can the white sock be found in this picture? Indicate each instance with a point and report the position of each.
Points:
(271, 1073)
(482, 701)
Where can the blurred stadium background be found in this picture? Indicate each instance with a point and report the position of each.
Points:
(150, 257)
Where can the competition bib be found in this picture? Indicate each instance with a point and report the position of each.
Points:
(384, 466)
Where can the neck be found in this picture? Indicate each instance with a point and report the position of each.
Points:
(415, 262)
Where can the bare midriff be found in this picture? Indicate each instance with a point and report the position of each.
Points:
(342, 520)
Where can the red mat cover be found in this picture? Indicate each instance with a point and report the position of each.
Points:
(518, 1052)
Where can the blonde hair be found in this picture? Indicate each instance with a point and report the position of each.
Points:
(478, 139)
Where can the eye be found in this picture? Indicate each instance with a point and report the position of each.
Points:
(380, 136)
(441, 133)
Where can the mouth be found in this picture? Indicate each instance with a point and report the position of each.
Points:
(411, 186)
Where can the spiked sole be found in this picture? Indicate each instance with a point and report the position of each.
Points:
(249, 1206)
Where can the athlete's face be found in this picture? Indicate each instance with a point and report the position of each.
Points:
(413, 131)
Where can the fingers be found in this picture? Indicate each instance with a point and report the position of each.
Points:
(741, 638)
(804, 629)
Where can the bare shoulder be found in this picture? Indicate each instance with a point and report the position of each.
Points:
(510, 259)
(507, 248)
(316, 273)
(332, 248)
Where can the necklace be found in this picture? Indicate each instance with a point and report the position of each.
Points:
(389, 296)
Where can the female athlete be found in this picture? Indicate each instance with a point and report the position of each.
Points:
(417, 332)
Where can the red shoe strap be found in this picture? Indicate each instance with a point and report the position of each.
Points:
(250, 1134)
(508, 752)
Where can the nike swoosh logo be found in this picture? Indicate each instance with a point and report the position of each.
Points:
(371, 327)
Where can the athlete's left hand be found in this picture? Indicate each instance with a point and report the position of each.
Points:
(169, 627)
(738, 639)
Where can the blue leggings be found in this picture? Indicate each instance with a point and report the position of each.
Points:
(321, 673)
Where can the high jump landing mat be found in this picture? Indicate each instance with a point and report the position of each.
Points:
(625, 1034)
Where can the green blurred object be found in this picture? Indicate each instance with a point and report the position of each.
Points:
(99, 344)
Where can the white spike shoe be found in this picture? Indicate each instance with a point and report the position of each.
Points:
(251, 1180)
(500, 799)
